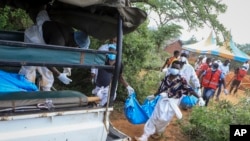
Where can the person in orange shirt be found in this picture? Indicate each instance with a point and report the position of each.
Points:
(239, 74)
(169, 60)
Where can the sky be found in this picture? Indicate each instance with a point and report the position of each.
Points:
(235, 19)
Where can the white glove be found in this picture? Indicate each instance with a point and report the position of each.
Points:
(130, 90)
(150, 97)
(225, 91)
(63, 78)
(163, 94)
(201, 102)
(67, 71)
(165, 70)
(199, 92)
(93, 81)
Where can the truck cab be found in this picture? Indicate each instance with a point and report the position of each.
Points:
(67, 115)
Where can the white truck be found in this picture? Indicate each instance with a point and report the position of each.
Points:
(64, 115)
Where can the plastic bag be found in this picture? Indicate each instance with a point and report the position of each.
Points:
(188, 101)
(136, 113)
(149, 105)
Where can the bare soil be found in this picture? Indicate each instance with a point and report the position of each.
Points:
(173, 131)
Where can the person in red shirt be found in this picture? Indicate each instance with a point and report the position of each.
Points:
(203, 67)
(239, 74)
(210, 80)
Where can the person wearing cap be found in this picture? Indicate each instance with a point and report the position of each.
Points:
(187, 71)
(45, 31)
(224, 67)
(210, 80)
(105, 47)
(239, 74)
(104, 78)
(110, 46)
(172, 88)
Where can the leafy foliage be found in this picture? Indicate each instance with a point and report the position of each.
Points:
(245, 48)
(212, 124)
(194, 13)
(13, 19)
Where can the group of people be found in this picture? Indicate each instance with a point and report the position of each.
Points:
(182, 80)
(47, 31)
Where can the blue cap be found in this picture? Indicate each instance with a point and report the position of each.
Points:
(82, 39)
(112, 46)
(112, 57)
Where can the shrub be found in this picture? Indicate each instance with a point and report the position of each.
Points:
(213, 123)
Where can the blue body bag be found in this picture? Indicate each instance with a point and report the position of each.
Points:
(136, 113)
(188, 101)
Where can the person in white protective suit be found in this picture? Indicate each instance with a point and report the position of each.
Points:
(172, 88)
(46, 31)
(104, 78)
(187, 71)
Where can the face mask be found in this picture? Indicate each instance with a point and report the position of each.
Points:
(228, 64)
(183, 59)
(174, 71)
(210, 64)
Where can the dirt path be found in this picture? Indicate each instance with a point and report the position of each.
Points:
(173, 131)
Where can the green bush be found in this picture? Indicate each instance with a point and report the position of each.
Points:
(213, 123)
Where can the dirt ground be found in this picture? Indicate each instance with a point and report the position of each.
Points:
(173, 131)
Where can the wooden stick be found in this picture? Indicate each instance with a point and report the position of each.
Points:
(93, 99)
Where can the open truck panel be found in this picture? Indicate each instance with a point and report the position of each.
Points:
(66, 114)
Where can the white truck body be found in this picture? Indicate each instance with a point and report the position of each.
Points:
(70, 125)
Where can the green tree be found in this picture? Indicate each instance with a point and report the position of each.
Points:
(13, 19)
(194, 13)
(244, 47)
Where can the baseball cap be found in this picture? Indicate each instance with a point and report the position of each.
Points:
(82, 39)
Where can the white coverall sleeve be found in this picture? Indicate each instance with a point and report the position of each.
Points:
(194, 78)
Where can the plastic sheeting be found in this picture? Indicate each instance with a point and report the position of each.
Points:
(12, 82)
(188, 101)
(137, 113)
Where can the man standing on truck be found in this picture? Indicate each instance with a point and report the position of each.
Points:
(110, 46)
(46, 31)
(104, 78)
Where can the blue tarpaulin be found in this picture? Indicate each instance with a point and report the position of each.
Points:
(12, 82)
(137, 113)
